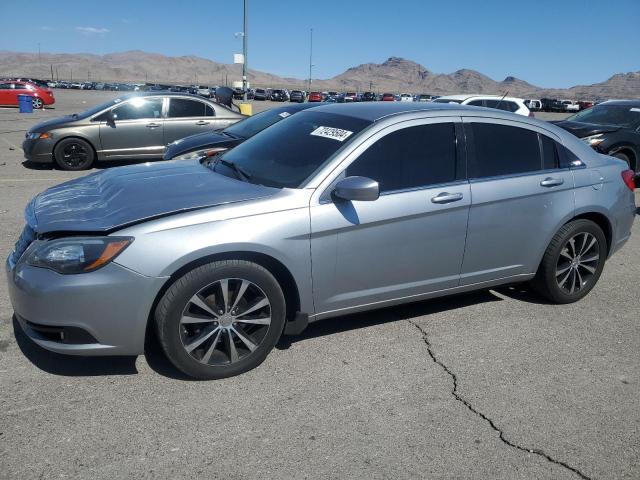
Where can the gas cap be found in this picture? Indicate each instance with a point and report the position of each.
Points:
(597, 179)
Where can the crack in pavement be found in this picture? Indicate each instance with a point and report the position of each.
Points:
(491, 423)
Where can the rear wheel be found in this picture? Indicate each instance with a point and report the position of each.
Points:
(221, 319)
(572, 263)
(74, 154)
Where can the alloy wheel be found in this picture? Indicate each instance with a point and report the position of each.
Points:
(74, 155)
(225, 321)
(36, 102)
(577, 263)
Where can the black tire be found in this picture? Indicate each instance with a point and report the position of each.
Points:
(74, 154)
(37, 103)
(172, 306)
(547, 280)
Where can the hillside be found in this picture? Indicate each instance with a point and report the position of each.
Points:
(394, 75)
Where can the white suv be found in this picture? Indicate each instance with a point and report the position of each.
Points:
(509, 104)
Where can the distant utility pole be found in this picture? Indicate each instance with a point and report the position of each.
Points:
(310, 58)
(245, 31)
(71, 70)
(52, 72)
(39, 58)
(370, 86)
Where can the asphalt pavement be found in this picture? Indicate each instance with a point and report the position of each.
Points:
(496, 384)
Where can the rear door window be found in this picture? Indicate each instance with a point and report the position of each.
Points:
(502, 150)
(182, 107)
(412, 157)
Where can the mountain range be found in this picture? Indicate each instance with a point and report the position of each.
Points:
(393, 75)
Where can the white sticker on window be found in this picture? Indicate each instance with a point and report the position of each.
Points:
(333, 133)
(284, 114)
(635, 109)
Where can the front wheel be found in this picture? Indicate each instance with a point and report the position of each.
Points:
(73, 154)
(572, 263)
(221, 319)
(37, 103)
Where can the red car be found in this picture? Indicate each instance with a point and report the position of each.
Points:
(9, 91)
(388, 97)
(583, 105)
(315, 97)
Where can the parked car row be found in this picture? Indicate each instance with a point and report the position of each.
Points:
(278, 220)
(555, 105)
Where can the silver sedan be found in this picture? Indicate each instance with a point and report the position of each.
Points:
(136, 126)
(337, 209)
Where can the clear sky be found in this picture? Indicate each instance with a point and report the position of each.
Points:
(550, 43)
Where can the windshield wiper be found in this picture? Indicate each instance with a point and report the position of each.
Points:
(240, 172)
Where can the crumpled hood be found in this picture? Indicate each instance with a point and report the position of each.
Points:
(116, 197)
(581, 130)
(199, 141)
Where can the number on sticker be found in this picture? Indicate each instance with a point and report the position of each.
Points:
(331, 132)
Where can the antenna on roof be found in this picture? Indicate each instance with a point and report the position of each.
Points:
(505, 94)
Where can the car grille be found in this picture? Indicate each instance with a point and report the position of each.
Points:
(27, 236)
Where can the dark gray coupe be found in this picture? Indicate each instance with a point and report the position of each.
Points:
(137, 126)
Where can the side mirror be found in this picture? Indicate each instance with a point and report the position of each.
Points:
(362, 189)
(111, 117)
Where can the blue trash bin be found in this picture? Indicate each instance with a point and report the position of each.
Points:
(25, 102)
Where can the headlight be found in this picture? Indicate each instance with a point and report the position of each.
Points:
(190, 155)
(77, 254)
(593, 140)
(209, 152)
(36, 135)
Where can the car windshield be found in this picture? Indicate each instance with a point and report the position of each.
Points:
(97, 108)
(250, 126)
(288, 153)
(618, 115)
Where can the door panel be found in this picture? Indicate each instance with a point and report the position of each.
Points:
(187, 117)
(400, 245)
(136, 133)
(518, 199)
(409, 241)
(7, 94)
(510, 222)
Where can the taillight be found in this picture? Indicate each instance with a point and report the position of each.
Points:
(628, 179)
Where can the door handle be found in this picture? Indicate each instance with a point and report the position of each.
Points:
(202, 122)
(446, 197)
(153, 125)
(551, 182)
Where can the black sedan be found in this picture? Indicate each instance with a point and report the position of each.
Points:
(209, 143)
(612, 128)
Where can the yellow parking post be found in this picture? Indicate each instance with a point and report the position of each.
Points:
(245, 108)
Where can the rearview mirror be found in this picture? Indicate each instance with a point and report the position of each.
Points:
(362, 189)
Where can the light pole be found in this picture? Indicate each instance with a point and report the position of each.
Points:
(245, 30)
(310, 59)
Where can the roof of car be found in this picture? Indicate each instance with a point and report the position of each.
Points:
(626, 103)
(477, 95)
(161, 93)
(373, 111)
